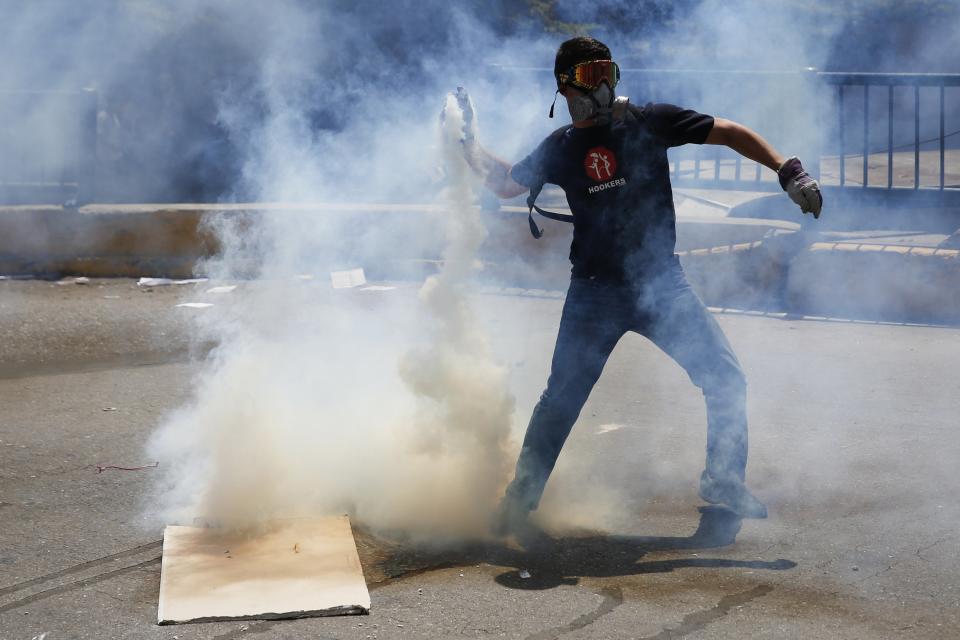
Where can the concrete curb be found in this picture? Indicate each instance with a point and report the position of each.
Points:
(166, 240)
(850, 279)
(748, 275)
(171, 240)
(121, 242)
(874, 247)
(877, 281)
(731, 262)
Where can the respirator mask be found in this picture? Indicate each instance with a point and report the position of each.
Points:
(597, 79)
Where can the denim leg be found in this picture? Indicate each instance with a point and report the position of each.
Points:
(589, 329)
(675, 319)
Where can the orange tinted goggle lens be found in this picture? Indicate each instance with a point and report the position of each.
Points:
(589, 75)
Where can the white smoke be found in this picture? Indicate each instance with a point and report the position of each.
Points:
(465, 407)
(319, 400)
(312, 406)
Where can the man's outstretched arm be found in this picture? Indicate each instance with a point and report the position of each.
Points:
(744, 141)
(494, 171)
(798, 184)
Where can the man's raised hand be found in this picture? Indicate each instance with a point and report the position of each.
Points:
(494, 172)
(468, 130)
(466, 107)
(800, 186)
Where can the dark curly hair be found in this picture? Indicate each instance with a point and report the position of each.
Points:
(579, 49)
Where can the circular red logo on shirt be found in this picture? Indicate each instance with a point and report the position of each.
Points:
(600, 164)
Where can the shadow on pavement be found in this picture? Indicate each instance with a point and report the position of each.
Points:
(550, 562)
(545, 562)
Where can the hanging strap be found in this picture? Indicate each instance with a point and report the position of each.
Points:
(619, 114)
(553, 215)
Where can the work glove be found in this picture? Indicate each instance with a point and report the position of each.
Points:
(800, 186)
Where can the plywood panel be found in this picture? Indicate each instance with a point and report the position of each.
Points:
(298, 568)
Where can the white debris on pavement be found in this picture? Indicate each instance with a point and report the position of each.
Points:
(347, 279)
(153, 282)
(607, 428)
(162, 282)
(80, 280)
(195, 305)
(223, 289)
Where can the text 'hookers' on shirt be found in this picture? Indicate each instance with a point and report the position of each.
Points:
(617, 181)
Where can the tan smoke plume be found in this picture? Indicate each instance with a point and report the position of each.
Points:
(314, 405)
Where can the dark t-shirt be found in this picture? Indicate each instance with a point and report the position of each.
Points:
(617, 181)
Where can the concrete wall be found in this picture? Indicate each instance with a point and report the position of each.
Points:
(752, 264)
(871, 280)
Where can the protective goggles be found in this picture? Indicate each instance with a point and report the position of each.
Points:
(589, 75)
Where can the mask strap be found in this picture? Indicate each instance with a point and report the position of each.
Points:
(554, 102)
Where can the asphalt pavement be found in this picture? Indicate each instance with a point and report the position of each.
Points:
(853, 447)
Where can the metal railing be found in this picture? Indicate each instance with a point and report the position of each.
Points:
(48, 147)
(844, 82)
(819, 108)
(48, 140)
(811, 114)
(755, 98)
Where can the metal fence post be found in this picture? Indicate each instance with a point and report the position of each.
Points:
(813, 148)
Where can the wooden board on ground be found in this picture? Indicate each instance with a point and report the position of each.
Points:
(298, 568)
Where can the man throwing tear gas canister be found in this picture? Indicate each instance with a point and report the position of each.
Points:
(612, 164)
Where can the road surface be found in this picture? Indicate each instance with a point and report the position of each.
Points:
(853, 445)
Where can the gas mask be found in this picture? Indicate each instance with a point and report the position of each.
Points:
(598, 104)
(596, 79)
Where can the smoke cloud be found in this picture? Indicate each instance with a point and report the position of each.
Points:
(392, 408)
(417, 440)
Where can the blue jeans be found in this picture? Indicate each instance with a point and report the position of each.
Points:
(595, 316)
